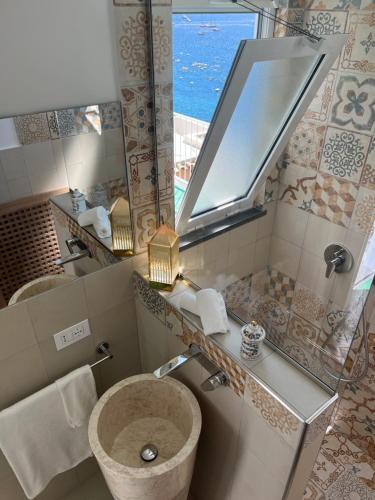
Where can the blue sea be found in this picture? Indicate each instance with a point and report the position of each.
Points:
(204, 46)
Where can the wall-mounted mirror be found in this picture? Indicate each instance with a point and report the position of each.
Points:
(55, 166)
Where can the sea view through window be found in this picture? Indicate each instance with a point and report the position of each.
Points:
(204, 46)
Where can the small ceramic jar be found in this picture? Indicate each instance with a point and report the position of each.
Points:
(252, 337)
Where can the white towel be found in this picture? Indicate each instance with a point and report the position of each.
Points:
(36, 437)
(188, 301)
(212, 311)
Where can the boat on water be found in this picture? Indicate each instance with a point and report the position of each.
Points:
(186, 18)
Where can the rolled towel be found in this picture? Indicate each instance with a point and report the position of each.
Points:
(212, 311)
(189, 302)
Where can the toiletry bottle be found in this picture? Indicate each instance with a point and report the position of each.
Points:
(78, 202)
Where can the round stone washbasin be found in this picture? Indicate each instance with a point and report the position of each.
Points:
(159, 419)
(40, 285)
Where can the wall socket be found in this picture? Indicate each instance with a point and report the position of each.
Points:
(72, 334)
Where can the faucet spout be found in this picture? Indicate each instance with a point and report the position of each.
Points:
(72, 257)
(178, 361)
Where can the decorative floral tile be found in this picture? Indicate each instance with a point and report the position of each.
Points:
(308, 305)
(111, 115)
(32, 128)
(305, 146)
(238, 293)
(293, 15)
(132, 34)
(166, 172)
(364, 212)
(344, 153)
(274, 413)
(354, 103)
(320, 105)
(302, 331)
(297, 186)
(87, 119)
(359, 51)
(368, 174)
(61, 123)
(164, 113)
(326, 470)
(280, 287)
(137, 117)
(150, 298)
(271, 191)
(167, 211)
(334, 199)
(162, 47)
(325, 22)
(142, 178)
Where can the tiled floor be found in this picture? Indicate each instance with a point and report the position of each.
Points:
(342, 472)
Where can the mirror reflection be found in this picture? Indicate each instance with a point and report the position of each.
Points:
(62, 179)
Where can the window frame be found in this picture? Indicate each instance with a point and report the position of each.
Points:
(250, 52)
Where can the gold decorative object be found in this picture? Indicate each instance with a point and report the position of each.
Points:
(121, 224)
(163, 251)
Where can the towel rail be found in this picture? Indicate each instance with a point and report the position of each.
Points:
(102, 348)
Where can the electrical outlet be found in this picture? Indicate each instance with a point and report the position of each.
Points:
(72, 334)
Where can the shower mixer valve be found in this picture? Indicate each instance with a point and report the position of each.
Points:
(338, 259)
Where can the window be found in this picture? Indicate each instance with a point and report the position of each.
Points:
(269, 86)
(206, 36)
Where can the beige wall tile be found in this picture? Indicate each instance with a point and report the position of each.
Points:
(241, 260)
(5, 470)
(311, 273)
(320, 233)
(87, 469)
(290, 223)
(21, 375)
(265, 224)
(109, 287)
(59, 363)
(262, 252)
(17, 331)
(284, 256)
(244, 235)
(59, 308)
(60, 486)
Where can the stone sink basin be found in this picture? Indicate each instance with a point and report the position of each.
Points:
(144, 412)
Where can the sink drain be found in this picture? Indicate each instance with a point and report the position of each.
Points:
(149, 452)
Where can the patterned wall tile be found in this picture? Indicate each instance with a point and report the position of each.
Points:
(137, 118)
(173, 320)
(142, 178)
(61, 123)
(238, 293)
(364, 212)
(110, 115)
(301, 330)
(334, 199)
(320, 105)
(132, 42)
(144, 221)
(305, 146)
(167, 211)
(280, 287)
(164, 113)
(87, 119)
(297, 186)
(32, 128)
(325, 22)
(344, 153)
(294, 16)
(354, 103)
(274, 413)
(359, 51)
(165, 171)
(162, 46)
(308, 305)
(150, 298)
(368, 174)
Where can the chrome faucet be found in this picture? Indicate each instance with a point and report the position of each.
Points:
(338, 259)
(71, 243)
(178, 361)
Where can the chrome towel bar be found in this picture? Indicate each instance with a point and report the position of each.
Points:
(102, 348)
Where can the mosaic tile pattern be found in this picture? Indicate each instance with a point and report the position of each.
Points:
(111, 115)
(144, 220)
(137, 118)
(368, 174)
(341, 472)
(334, 199)
(61, 123)
(300, 330)
(305, 146)
(280, 287)
(344, 153)
(353, 103)
(150, 298)
(364, 212)
(358, 54)
(320, 105)
(308, 305)
(238, 292)
(142, 179)
(32, 128)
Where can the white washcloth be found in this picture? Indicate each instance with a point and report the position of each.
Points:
(188, 301)
(36, 437)
(212, 311)
(98, 217)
